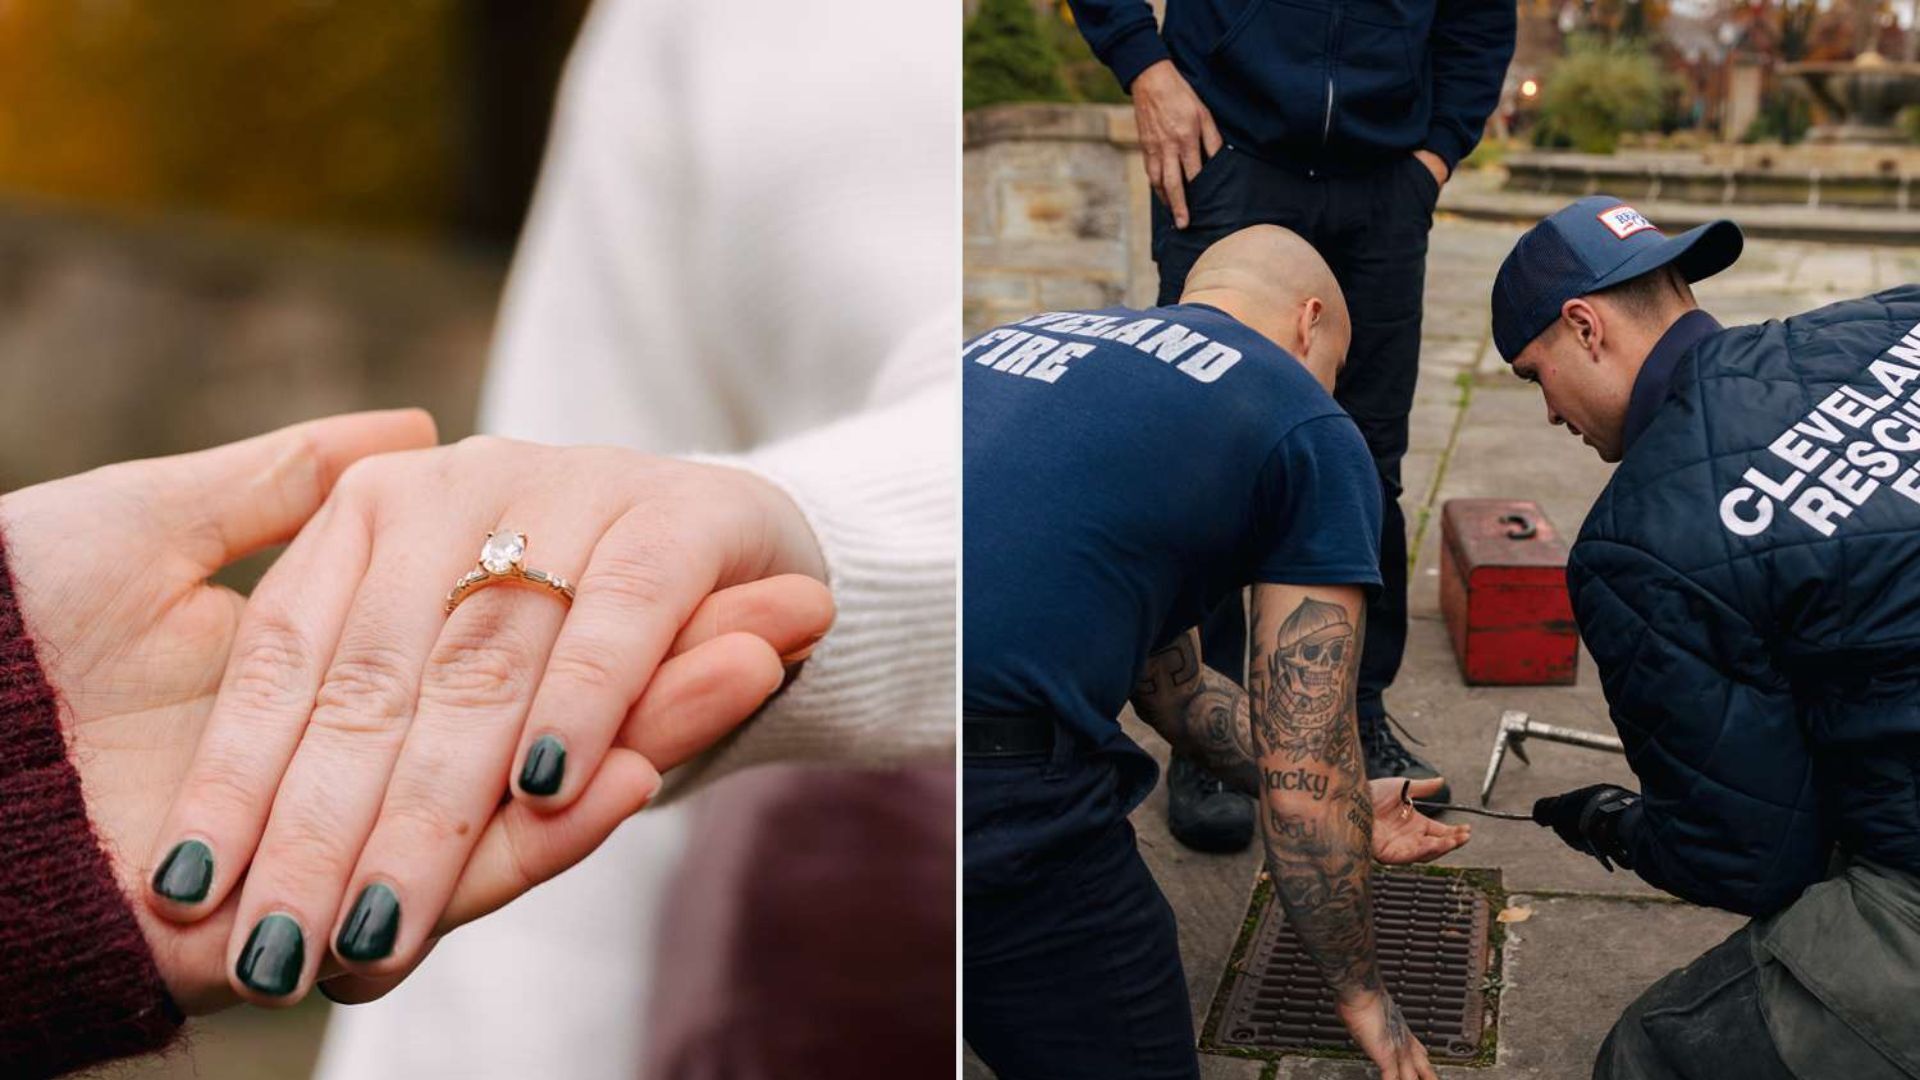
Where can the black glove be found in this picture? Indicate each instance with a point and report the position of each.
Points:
(1590, 820)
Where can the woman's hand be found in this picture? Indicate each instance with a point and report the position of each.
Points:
(111, 570)
(363, 737)
(1401, 833)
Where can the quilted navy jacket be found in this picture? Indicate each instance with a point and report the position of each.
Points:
(1749, 583)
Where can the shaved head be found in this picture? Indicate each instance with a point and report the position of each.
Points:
(1274, 281)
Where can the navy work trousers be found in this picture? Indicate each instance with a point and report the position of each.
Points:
(1072, 963)
(1372, 230)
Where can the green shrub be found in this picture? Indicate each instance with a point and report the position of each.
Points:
(1006, 57)
(1784, 117)
(1086, 77)
(1909, 123)
(1598, 91)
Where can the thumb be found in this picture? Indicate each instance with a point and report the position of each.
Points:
(1420, 789)
(232, 500)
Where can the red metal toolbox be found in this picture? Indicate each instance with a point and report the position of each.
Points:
(1503, 588)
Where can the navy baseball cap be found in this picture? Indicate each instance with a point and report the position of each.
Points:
(1596, 243)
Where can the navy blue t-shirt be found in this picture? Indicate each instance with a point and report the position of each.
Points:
(1124, 471)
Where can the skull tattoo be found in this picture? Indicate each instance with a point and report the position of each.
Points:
(1313, 646)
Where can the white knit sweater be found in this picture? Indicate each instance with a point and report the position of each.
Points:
(745, 245)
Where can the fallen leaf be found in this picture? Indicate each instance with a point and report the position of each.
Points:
(1517, 913)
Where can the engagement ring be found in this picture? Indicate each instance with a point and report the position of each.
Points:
(502, 560)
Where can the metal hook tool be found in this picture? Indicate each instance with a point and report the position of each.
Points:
(1516, 728)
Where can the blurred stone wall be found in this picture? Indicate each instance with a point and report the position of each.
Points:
(1055, 203)
(420, 118)
(124, 338)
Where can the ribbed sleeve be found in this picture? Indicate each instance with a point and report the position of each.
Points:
(879, 492)
(77, 983)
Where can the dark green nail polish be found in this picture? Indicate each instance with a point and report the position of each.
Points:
(186, 873)
(371, 926)
(274, 955)
(546, 761)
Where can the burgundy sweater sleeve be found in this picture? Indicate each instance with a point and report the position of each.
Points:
(77, 982)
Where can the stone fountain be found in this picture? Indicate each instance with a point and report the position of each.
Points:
(1858, 158)
(1861, 97)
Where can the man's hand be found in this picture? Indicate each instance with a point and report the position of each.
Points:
(1177, 134)
(1436, 165)
(1401, 833)
(1589, 820)
(1378, 1028)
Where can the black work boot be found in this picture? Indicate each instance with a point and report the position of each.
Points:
(1387, 756)
(1202, 813)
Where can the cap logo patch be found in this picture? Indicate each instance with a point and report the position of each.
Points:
(1624, 221)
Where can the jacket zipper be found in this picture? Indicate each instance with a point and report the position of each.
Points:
(1333, 40)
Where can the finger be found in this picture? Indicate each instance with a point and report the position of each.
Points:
(1151, 157)
(448, 777)
(1423, 1067)
(646, 576)
(352, 989)
(1190, 157)
(232, 500)
(1436, 843)
(789, 612)
(332, 791)
(1420, 789)
(1176, 192)
(701, 695)
(1210, 133)
(523, 847)
(286, 637)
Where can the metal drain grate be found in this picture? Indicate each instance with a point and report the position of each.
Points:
(1431, 935)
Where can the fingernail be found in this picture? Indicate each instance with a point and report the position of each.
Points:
(186, 873)
(371, 926)
(274, 956)
(546, 762)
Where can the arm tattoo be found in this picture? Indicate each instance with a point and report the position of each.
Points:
(1318, 817)
(1198, 710)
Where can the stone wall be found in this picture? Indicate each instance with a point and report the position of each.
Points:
(127, 336)
(1055, 208)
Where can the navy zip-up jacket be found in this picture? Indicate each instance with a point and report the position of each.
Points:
(1335, 85)
(1749, 585)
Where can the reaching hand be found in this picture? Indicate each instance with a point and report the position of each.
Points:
(363, 737)
(111, 568)
(1177, 134)
(1590, 820)
(1401, 833)
(1377, 1026)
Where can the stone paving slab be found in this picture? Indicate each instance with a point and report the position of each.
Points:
(1479, 194)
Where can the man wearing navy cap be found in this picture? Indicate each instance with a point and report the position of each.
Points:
(1747, 585)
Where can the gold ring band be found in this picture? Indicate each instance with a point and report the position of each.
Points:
(502, 562)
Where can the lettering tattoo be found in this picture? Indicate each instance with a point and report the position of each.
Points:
(1318, 814)
(1298, 780)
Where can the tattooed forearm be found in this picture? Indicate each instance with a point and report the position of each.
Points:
(1318, 818)
(1198, 710)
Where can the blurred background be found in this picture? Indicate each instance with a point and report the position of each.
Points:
(1801, 118)
(218, 218)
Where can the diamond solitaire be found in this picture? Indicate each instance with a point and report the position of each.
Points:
(503, 551)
